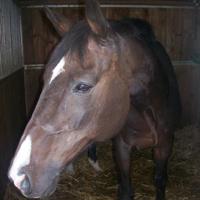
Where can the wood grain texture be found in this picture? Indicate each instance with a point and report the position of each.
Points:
(12, 121)
(188, 78)
(197, 37)
(33, 82)
(10, 38)
(173, 27)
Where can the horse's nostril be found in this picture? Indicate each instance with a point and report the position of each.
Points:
(25, 186)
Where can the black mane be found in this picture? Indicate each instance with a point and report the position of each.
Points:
(134, 27)
(76, 39)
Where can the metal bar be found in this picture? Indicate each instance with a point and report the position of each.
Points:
(34, 66)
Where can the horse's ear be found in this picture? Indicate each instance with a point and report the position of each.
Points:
(96, 20)
(60, 22)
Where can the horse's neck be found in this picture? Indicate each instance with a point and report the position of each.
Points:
(138, 66)
(136, 58)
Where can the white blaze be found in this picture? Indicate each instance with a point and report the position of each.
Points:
(22, 159)
(58, 69)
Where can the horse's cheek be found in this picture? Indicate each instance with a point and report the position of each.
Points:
(113, 109)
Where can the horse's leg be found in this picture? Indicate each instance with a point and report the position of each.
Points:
(92, 157)
(161, 155)
(121, 154)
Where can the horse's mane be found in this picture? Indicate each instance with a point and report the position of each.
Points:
(76, 39)
(134, 27)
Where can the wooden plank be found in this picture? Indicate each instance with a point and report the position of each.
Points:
(16, 33)
(189, 80)
(12, 121)
(10, 38)
(188, 40)
(174, 34)
(196, 55)
(33, 85)
(109, 2)
(39, 36)
(2, 25)
(12, 101)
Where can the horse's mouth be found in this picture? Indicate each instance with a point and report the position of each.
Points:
(51, 189)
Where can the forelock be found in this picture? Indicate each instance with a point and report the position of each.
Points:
(75, 41)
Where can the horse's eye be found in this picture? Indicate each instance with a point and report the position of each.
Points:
(82, 88)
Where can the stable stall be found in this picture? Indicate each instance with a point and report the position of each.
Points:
(27, 40)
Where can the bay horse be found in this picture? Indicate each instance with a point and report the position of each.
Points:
(105, 80)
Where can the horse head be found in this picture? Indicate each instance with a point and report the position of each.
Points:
(85, 98)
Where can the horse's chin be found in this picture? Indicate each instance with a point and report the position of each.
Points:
(51, 189)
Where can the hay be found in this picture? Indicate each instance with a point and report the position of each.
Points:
(86, 184)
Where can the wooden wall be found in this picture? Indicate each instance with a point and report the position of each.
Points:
(174, 22)
(173, 27)
(12, 121)
(10, 38)
(12, 99)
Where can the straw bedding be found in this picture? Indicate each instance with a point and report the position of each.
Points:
(86, 184)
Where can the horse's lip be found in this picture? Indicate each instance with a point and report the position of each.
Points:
(51, 189)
